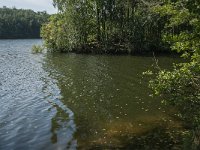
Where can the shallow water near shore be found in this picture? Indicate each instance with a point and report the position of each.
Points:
(74, 101)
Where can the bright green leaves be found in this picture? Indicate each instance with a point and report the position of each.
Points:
(166, 9)
(182, 30)
(58, 35)
(181, 87)
(180, 17)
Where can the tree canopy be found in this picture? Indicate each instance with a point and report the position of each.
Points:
(104, 26)
(20, 23)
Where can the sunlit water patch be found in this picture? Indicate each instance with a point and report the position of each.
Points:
(109, 96)
(69, 101)
(29, 100)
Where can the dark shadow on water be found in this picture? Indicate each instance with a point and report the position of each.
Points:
(62, 127)
(54, 127)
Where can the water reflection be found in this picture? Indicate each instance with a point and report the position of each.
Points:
(63, 126)
(68, 101)
(108, 96)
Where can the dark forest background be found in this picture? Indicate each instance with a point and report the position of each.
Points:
(20, 23)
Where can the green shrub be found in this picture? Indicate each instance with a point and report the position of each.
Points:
(37, 49)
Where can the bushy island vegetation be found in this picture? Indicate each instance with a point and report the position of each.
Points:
(20, 23)
(139, 26)
(105, 26)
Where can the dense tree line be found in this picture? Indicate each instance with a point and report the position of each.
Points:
(105, 26)
(20, 23)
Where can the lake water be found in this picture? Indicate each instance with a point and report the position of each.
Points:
(70, 101)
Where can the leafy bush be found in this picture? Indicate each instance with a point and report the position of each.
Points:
(181, 87)
(37, 49)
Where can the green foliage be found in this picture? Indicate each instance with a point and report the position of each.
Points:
(181, 87)
(104, 26)
(37, 49)
(58, 34)
(19, 23)
(183, 26)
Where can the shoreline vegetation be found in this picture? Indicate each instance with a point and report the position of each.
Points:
(37, 49)
(132, 27)
(105, 27)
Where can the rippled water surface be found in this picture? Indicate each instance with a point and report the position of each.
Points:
(69, 101)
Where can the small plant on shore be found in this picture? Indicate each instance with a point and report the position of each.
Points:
(37, 49)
